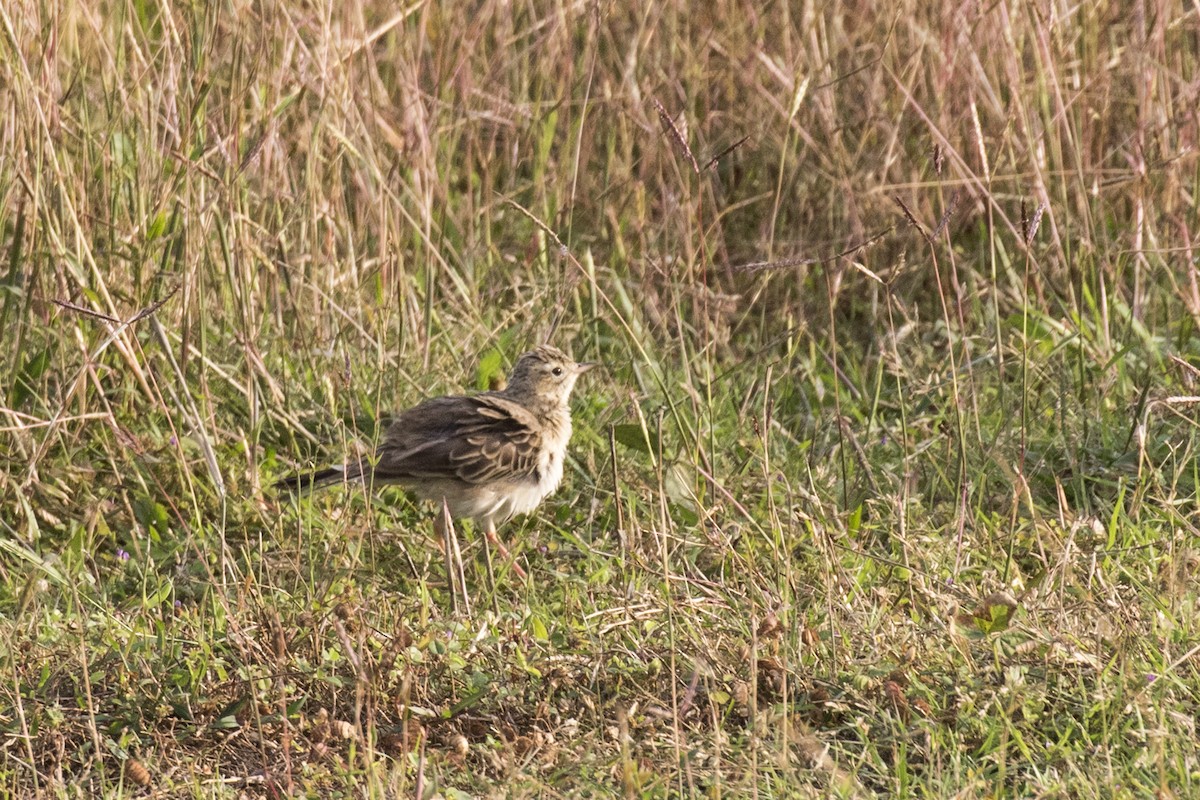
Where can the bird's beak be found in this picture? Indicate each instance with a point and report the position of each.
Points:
(583, 366)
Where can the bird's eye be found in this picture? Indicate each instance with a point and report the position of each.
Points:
(557, 371)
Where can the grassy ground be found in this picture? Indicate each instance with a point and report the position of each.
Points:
(888, 487)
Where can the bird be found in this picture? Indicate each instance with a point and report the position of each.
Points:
(485, 457)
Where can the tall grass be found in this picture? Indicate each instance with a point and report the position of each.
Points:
(888, 486)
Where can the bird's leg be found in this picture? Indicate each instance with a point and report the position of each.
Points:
(444, 525)
(489, 529)
(491, 575)
(442, 532)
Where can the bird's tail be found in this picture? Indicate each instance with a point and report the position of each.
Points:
(294, 484)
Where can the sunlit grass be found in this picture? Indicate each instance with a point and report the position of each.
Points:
(887, 486)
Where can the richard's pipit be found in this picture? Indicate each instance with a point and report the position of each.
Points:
(486, 456)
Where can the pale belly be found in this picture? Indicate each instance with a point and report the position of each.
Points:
(495, 501)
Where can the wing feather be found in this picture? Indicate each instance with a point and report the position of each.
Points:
(478, 439)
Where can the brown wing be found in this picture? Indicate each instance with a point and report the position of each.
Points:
(473, 439)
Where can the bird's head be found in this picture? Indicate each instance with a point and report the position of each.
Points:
(545, 377)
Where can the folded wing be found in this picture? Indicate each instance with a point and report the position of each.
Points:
(477, 439)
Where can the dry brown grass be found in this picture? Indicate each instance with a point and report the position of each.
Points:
(883, 492)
